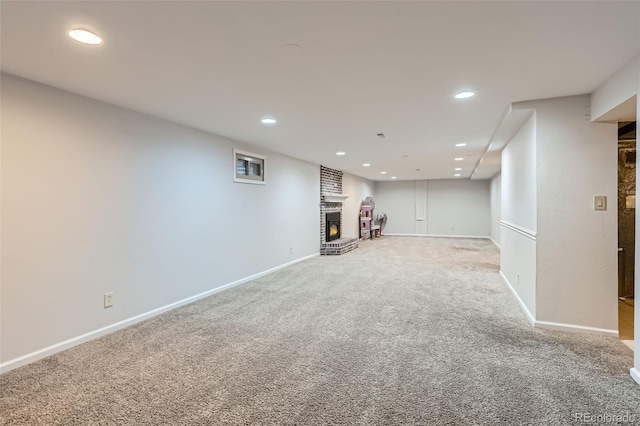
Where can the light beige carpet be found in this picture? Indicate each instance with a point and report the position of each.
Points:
(400, 331)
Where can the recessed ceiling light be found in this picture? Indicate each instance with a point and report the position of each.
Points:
(457, 175)
(84, 36)
(341, 153)
(268, 120)
(457, 169)
(393, 177)
(291, 49)
(366, 165)
(464, 94)
(461, 144)
(383, 173)
(458, 158)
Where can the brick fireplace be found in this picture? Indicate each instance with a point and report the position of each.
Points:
(331, 204)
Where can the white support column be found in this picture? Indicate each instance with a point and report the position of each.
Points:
(635, 371)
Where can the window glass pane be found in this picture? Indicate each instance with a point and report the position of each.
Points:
(255, 169)
(241, 167)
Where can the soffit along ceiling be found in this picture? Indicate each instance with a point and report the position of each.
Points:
(334, 74)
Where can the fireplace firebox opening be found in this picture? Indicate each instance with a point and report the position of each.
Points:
(333, 226)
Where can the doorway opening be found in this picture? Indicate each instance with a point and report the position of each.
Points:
(626, 229)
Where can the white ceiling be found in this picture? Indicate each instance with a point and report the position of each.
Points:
(364, 67)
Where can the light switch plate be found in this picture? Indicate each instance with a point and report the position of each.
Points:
(108, 300)
(599, 202)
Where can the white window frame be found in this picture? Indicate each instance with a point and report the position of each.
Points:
(261, 180)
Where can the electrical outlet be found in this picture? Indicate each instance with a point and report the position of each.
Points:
(108, 300)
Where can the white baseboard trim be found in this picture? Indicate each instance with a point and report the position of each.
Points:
(75, 341)
(524, 308)
(576, 328)
(494, 242)
(555, 325)
(435, 236)
(635, 373)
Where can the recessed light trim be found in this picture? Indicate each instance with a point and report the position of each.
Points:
(461, 144)
(464, 94)
(457, 175)
(383, 173)
(457, 169)
(394, 177)
(458, 158)
(84, 36)
(268, 120)
(366, 165)
(341, 153)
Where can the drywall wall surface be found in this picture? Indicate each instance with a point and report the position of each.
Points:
(357, 189)
(576, 245)
(421, 202)
(451, 207)
(519, 178)
(459, 207)
(517, 217)
(620, 87)
(97, 198)
(636, 323)
(496, 208)
(397, 200)
(518, 267)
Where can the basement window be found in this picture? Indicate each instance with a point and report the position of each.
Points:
(248, 167)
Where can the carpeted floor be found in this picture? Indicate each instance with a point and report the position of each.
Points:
(400, 331)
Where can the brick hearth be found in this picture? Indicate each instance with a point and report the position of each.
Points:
(339, 246)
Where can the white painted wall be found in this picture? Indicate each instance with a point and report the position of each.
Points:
(518, 267)
(459, 207)
(519, 178)
(617, 100)
(564, 158)
(635, 372)
(97, 198)
(617, 90)
(454, 207)
(422, 197)
(576, 246)
(518, 216)
(357, 189)
(397, 200)
(496, 208)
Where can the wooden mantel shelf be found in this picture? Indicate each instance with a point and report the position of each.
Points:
(334, 198)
